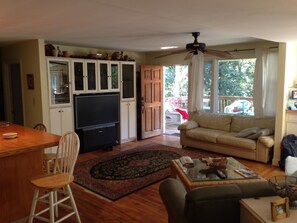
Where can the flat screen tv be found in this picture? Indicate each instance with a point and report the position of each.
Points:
(96, 110)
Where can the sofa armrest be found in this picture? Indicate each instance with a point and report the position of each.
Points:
(267, 141)
(188, 125)
(173, 195)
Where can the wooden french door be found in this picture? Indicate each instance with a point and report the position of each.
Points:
(151, 101)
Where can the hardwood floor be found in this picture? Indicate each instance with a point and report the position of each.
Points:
(144, 205)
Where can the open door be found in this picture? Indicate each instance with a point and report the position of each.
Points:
(151, 101)
(13, 93)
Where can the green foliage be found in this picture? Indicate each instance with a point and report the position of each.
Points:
(236, 77)
(184, 81)
(169, 80)
(207, 79)
(170, 76)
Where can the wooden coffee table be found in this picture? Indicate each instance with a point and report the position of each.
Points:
(196, 177)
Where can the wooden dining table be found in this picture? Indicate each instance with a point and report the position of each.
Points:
(20, 160)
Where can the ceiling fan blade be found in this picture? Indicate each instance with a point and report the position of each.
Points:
(172, 53)
(218, 53)
(188, 56)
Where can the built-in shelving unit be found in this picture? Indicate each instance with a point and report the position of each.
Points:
(71, 77)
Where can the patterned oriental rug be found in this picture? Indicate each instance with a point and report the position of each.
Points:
(115, 176)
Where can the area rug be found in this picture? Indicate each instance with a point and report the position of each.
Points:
(115, 176)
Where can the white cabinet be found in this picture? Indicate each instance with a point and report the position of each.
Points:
(128, 121)
(59, 84)
(108, 72)
(291, 122)
(84, 74)
(128, 102)
(61, 120)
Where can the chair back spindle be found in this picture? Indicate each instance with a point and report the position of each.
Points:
(67, 153)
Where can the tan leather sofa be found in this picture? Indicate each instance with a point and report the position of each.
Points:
(219, 133)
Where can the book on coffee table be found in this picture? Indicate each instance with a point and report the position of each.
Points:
(186, 161)
(246, 172)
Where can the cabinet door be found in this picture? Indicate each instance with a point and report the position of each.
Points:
(124, 121)
(103, 76)
(55, 121)
(78, 76)
(67, 119)
(91, 81)
(132, 120)
(128, 121)
(128, 80)
(61, 120)
(114, 76)
(58, 79)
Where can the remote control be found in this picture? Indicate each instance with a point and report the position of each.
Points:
(221, 174)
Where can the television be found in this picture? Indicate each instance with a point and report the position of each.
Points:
(96, 110)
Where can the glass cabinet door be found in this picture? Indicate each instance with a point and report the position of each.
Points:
(91, 76)
(103, 69)
(128, 81)
(58, 71)
(114, 76)
(78, 72)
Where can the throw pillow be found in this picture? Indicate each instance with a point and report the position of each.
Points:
(266, 132)
(255, 136)
(247, 132)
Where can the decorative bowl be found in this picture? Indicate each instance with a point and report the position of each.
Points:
(286, 186)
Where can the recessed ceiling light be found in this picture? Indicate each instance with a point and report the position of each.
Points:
(168, 47)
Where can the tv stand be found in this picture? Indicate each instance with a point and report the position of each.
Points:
(103, 136)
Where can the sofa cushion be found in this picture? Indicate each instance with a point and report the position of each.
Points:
(214, 121)
(240, 122)
(204, 134)
(213, 204)
(230, 139)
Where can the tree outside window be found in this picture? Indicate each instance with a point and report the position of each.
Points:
(235, 86)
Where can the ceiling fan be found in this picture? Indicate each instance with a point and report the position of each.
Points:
(195, 47)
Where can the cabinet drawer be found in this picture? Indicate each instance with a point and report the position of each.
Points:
(99, 137)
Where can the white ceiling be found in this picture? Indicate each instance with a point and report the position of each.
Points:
(146, 25)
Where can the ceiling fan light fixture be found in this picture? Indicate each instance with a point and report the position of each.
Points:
(168, 47)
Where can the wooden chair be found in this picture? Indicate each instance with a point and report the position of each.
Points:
(40, 127)
(48, 158)
(57, 182)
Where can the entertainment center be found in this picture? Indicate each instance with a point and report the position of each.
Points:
(97, 120)
(94, 98)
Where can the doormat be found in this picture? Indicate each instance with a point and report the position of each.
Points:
(115, 176)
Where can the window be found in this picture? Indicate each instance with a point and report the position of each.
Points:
(234, 86)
